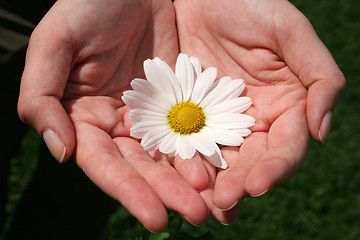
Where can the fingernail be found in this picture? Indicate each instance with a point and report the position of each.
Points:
(150, 230)
(55, 145)
(227, 224)
(261, 194)
(229, 208)
(188, 220)
(325, 127)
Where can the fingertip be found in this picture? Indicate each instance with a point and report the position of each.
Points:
(47, 115)
(192, 207)
(264, 176)
(325, 127)
(225, 196)
(60, 140)
(227, 217)
(258, 189)
(323, 95)
(193, 171)
(155, 225)
(195, 211)
(261, 193)
(55, 145)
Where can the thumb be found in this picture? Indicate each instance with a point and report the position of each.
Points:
(312, 62)
(43, 82)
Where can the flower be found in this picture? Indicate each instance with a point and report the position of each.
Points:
(187, 111)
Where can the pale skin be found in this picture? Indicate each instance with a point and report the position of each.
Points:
(83, 55)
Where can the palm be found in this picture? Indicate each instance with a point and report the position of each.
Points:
(247, 47)
(102, 68)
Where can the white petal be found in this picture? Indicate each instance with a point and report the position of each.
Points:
(172, 154)
(236, 105)
(135, 100)
(202, 143)
(230, 121)
(184, 148)
(203, 84)
(141, 128)
(237, 91)
(146, 88)
(143, 85)
(167, 145)
(228, 137)
(175, 85)
(152, 138)
(158, 75)
(223, 90)
(144, 115)
(185, 73)
(197, 66)
(217, 160)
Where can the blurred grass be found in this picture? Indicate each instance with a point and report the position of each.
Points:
(21, 171)
(322, 201)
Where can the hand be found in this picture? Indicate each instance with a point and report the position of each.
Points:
(290, 75)
(80, 59)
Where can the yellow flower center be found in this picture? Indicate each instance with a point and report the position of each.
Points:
(186, 118)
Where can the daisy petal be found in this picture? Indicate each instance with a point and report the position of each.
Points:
(130, 98)
(230, 121)
(223, 90)
(151, 139)
(172, 154)
(184, 148)
(147, 88)
(236, 105)
(217, 160)
(135, 99)
(185, 73)
(140, 115)
(237, 91)
(228, 137)
(203, 84)
(158, 75)
(197, 66)
(168, 144)
(203, 143)
(153, 93)
(141, 128)
(172, 79)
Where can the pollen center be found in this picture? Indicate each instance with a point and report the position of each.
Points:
(186, 118)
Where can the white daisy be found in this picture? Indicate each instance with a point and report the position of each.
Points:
(187, 111)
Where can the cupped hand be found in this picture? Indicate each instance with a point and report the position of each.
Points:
(291, 77)
(80, 59)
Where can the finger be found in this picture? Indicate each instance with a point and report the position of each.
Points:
(193, 171)
(207, 192)
(44, 78)
(322, 98)
(286, 150)
(311, 61)
(98, 156)
(223, 216)
(230, 183)
(226, 217)
(173, 190)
